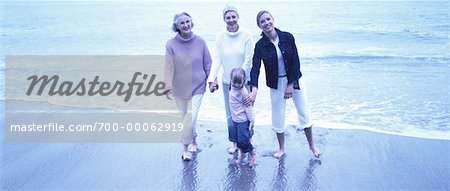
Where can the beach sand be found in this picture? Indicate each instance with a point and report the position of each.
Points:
(351, 160)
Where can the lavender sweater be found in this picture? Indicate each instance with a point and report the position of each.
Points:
(182, 57)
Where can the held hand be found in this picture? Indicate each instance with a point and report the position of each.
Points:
(288, 92)
(213, 86)
(169, 94)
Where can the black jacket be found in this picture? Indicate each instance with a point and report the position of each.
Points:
(265, 50)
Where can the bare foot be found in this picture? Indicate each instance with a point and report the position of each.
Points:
(232, 150)
(253, 160)
(193, 149)
(279, 153)
(316, 151)
(241, 158)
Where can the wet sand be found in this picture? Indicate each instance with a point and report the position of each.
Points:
(351, 160)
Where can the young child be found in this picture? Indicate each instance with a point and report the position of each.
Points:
(242, 116)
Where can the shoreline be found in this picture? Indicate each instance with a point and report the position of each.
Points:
(334, 126)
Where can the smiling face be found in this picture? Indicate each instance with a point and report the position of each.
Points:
(184, 24)
(231, 18)
(265, 22)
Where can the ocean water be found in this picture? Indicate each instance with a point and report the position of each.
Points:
(379, 66)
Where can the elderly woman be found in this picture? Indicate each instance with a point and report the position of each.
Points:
(282, 67)
(187, 58)
(234, 48)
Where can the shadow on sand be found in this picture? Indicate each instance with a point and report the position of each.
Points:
(309, 180)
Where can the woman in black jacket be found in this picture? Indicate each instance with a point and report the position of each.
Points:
(279, 53)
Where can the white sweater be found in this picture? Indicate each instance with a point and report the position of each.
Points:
(232, 50)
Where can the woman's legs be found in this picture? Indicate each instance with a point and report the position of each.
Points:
(303, 113)
(301, 104)
(196, 103)
(309, 137)
(281, 150)
(182, 108)
(189, 136)
(278, 114)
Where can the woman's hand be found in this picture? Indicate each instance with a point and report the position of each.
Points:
(250, 99)
(288, 92)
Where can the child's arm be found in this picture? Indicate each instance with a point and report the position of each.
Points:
(248, 111)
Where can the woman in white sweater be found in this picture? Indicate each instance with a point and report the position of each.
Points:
(234, 48)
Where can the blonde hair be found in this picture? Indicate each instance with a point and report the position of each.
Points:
(237, 76)
(258, 16)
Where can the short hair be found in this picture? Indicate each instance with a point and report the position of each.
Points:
(230, 9)
(175, 19)
(237, 75)
(258, 16)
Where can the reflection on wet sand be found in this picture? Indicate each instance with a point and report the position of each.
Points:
(189, 173)
(309, 180)
(240, 177)
(279, 181)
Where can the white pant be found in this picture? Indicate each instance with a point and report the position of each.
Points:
(279, 106)
(189, 132)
